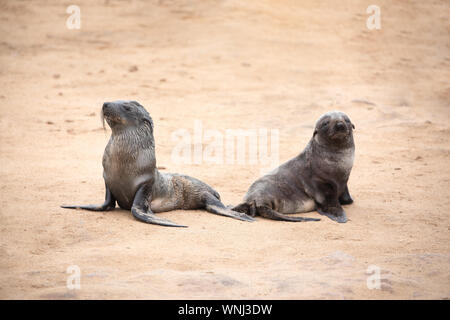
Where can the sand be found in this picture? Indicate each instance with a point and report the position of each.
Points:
(275, 65)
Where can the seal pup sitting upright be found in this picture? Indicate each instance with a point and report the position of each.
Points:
(315, 179)
(132, 179)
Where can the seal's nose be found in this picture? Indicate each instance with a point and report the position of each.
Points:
(340, 126)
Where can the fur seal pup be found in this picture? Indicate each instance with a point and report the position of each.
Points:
(132, 179)
(315, 179)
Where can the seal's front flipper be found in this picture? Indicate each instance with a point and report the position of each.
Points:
(330, 204)
(109, 204)
(269, 213)
(141, 209)
(214, 205)
(345, 197)
(340, 217)
(150, 217)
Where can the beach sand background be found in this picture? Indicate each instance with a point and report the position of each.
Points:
(275, 65)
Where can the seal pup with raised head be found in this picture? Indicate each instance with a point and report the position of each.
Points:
(315, 179)
(132, 179)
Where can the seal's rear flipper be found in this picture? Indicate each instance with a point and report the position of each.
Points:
(247, 208)
(243, 207)
(109, 204)
(267, 212)
(150, 217)
(228, 213)
(340, 218)
(89, 207)
(214, 205)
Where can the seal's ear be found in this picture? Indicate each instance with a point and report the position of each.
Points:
(315, 132)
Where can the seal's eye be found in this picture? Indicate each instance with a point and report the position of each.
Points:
(347, 120)
(127, 108)
(324, 124)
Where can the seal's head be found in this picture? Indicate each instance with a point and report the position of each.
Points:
(334, 128)
(125, 115)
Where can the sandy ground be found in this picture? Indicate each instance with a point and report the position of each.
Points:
(231, 65)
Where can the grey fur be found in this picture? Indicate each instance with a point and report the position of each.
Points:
(132, 179)
(315, 179)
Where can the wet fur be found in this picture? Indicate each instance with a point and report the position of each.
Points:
(132, 179)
